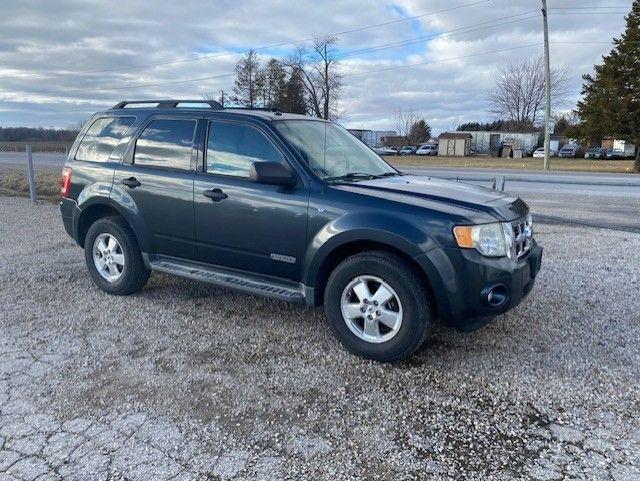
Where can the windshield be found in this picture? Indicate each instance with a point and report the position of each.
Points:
(332, 152)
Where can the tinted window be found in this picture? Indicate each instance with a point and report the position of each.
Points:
(232, 148)
(102, 137)
(166, 143)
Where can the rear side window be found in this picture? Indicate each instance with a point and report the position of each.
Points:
(166, 143)
(102, 137)
(232, 148)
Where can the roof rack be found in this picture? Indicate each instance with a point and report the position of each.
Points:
(168, 104)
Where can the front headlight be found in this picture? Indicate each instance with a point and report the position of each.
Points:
(491, 240)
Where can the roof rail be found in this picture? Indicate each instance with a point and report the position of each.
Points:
(168, 104)
(263, 109)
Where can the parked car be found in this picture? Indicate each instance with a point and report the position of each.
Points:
(407, 150)
(427, 149)
(385, 151)
(595, 153)
(297, 209)
(614, 154)
(570, 151)
(539, 152)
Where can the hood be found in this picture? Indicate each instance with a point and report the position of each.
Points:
(412, 189)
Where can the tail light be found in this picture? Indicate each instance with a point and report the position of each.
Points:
(65, 182)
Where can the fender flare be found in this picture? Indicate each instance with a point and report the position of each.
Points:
(363, 227)
(96, 195)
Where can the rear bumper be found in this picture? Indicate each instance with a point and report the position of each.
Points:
(462, 280)
(70, 213)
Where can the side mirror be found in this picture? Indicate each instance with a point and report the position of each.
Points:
(273, 173)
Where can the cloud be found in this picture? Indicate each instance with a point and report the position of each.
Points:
(62, 60)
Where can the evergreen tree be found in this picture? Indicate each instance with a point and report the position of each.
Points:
(249, 81)
(275, 85)
(294, 100)
(419, 133)
(611, 100)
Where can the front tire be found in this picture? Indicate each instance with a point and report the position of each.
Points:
(377, 306)
(113, 257)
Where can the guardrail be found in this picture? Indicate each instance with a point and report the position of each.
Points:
(499, 181)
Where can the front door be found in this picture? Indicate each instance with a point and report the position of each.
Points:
(244, 225)
(158, 180)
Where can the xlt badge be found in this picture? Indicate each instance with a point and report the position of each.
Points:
(283, 258)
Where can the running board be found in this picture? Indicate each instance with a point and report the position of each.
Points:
(242, 281)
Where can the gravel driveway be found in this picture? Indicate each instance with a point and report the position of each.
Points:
(188, 381)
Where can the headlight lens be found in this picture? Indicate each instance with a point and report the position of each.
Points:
(491, 240)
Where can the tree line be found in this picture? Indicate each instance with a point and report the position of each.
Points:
(610, 106)
(307, 81)
(35, 134)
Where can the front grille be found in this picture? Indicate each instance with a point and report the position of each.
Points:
(522, 234)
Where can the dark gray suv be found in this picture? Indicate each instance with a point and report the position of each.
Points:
(293, 208)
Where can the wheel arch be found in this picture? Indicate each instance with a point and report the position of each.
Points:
(349, 248)
(97, 210)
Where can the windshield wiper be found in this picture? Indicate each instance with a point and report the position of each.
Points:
(352, 176)
(391, 174)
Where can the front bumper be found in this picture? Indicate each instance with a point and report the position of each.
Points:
(461, 278)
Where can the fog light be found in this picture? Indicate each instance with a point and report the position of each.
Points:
(496, 295)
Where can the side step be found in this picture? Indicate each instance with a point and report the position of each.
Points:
(242, 281)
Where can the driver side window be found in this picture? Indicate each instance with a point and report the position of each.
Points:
(232, 148)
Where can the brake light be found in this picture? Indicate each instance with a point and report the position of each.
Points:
(65, 182)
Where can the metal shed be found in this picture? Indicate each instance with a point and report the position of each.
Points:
(485, 142)
(454, 144)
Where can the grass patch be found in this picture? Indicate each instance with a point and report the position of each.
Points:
(529, 163)
(15, 182)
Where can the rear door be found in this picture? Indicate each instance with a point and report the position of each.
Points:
(251, 227)
(157, 178)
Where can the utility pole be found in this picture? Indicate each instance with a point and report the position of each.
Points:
(547, 79)
(222, 97)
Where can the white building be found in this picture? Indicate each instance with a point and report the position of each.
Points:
(373, 138)
(484, 142)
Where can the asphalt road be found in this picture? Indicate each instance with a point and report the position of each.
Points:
(605, 200)
(185, 381)
(19, 159)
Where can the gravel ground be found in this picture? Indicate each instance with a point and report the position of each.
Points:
(187, 381)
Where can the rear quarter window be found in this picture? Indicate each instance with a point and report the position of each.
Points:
(102, 137)
(166, 143)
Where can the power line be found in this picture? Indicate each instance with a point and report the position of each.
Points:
(443, 60)
(397, 67)
(588, 13)
(593, 7)
(277, 45)
(214, 77)
(446, 34)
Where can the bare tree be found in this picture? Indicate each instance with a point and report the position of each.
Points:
(211, 96)
(403, 119)
(320, 75)
(518, 94)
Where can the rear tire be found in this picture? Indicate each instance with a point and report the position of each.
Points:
(397, 327)
(113, 257)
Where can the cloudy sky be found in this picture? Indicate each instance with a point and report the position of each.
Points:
(60, 61)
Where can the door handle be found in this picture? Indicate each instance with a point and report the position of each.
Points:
(215, 195)
(131, 182)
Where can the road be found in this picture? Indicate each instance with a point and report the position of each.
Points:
(606, 200)
(18, 159)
